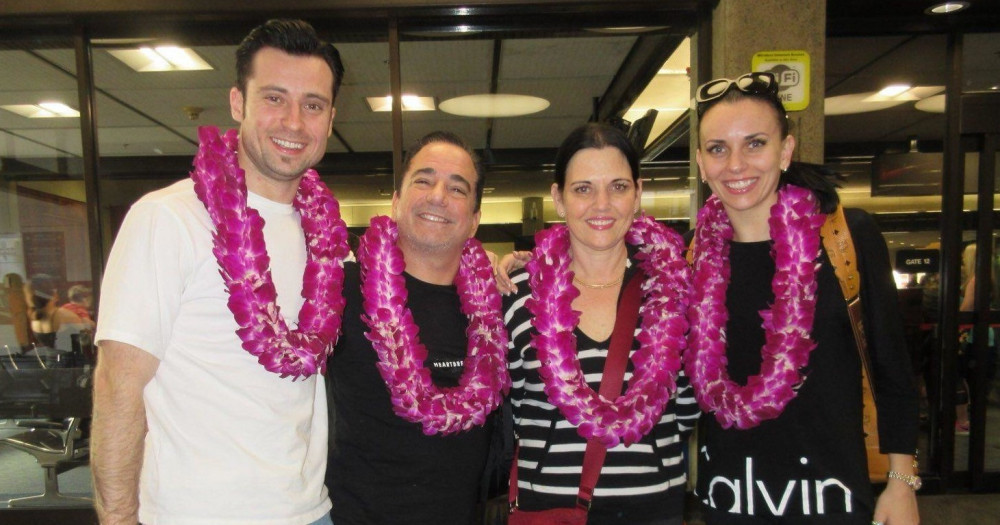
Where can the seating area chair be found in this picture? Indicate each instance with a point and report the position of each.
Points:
(23, 388)
(53, 445)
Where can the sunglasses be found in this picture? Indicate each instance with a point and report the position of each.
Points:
(758, 83)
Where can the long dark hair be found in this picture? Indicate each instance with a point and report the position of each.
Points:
(820, 180)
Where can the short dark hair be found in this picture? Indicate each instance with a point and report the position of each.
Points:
(594, 135)
(448, 138)
(295, 37)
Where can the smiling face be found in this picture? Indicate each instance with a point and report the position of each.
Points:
(599, 199)
(741, 154)
(285, 118)
(435, 206)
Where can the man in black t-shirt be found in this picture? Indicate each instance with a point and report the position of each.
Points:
(383, 469)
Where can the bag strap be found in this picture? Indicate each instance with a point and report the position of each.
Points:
(612, 380)
(840, 249)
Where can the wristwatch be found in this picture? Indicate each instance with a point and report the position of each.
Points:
(912, 480)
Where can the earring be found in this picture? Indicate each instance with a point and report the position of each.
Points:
(561, 214)
(784, 170)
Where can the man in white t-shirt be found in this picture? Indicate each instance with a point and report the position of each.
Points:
(190, 426)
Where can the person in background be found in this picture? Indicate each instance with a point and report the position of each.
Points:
(219, 305)
(421, 365)
(17, 309)
(966, 360)
(772, 355)
(81, 300)
(52, 325)
(561, 321)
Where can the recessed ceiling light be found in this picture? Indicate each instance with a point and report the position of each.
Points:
(161, 58)
(493, 105)
(856, 103)
(43, 110)
(456, 31)
(874, 101)
(624, 30)
(410, 103)
(894, 90)
(946, 7)
(933, 104)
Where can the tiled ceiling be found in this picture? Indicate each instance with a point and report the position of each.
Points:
(141, 115)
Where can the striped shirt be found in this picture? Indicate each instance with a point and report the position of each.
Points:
(646, 480)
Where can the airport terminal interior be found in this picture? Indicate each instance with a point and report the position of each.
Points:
(100, 102)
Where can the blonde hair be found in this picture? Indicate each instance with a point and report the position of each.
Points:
(968, 263)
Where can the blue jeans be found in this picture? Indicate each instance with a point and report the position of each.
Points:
(325, 520)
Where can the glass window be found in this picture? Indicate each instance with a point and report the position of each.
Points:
(978, 388)
(46, 310)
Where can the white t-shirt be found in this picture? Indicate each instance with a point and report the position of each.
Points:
(228, 441)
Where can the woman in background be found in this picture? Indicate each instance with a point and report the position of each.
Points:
(51, 324)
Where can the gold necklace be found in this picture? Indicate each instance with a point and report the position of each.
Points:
(599, 286)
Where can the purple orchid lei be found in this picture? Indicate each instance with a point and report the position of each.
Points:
(394, 336)
(661, 335)
(795, 222)
(238, 245)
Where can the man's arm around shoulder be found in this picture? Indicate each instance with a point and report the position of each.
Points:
(119, 429)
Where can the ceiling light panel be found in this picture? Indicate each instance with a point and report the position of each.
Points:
(410, 103)
(161, 58)
(933, 104)
(875, 101)
(43, 110)
(494, 105)
(894, 90)
(945, 8)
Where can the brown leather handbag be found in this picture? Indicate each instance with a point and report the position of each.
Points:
(840, 249)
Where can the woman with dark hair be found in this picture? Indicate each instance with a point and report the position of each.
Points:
(772, 355)
(565, 322)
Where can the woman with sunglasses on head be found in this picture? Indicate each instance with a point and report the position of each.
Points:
(597, 329)
(772, 354)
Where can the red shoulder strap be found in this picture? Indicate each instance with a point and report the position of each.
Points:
(611, 387)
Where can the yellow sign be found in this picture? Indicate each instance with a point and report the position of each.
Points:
(791, 69)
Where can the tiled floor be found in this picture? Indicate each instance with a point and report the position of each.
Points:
(21, 476)
(979, 509)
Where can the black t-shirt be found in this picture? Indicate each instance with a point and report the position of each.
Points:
(808, 465)
(382, 469)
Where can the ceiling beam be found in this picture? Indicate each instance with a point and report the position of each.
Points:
(494, 81)
(639, 67)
